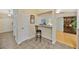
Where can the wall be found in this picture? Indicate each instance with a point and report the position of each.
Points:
(5, 24)
(59, 24)
(31, 33)
(15, 25)
(77, 19)
(78, 28)
(1, 26)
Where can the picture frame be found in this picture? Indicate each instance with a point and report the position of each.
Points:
(32, 19)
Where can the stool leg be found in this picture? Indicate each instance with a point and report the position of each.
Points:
(40, 38)
(36, 37)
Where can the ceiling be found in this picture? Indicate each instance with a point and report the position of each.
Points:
(37, 11)
(67, 10)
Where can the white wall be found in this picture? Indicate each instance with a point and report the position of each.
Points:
(5, 24)
(77, 19)
(15, 25)
(31, 32)
(60, 24)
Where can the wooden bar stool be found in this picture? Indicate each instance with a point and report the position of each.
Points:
(38, 34)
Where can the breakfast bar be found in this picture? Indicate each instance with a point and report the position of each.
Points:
(43, 29)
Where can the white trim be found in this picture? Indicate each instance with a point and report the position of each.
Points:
(53, 42)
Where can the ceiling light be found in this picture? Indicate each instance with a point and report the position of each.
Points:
(58, 11)
(9, 14)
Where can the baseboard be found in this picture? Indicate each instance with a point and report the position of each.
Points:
(53, 42)
(26, 39)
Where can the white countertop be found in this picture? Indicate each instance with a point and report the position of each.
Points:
(48, 26)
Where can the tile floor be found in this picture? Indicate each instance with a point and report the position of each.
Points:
(7, 41)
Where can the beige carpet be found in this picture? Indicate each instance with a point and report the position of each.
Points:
(7, 42)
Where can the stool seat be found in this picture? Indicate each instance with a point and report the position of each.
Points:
(38, 30)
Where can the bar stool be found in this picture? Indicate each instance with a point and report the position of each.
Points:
(38, 34)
